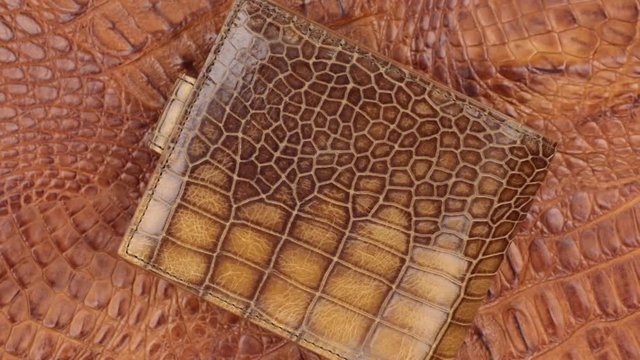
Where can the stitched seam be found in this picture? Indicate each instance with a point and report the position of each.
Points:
(344, 45)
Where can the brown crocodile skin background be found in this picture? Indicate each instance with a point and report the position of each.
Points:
(82, 82)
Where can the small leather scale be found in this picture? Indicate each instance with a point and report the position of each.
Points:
(331, 195)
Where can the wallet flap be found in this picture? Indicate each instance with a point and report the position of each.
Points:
(333, 196)
(172, 113)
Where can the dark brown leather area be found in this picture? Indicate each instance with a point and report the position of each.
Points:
(81, 84)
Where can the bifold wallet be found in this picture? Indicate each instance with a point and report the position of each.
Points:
(330, 195)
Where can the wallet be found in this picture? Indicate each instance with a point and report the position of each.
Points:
(331, 195)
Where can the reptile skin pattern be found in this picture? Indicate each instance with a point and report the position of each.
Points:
(82, 82)
(333, 197)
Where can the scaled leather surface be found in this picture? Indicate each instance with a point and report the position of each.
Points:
(82, 83)
(332, 197)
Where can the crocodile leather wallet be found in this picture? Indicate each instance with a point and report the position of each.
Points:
(331, 195)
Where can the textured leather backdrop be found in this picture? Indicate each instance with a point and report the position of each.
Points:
(82, 82)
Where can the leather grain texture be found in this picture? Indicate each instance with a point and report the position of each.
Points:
(333, 197)
(82, 82)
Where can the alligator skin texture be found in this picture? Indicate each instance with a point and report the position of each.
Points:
(83, 82)
(333, 197)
